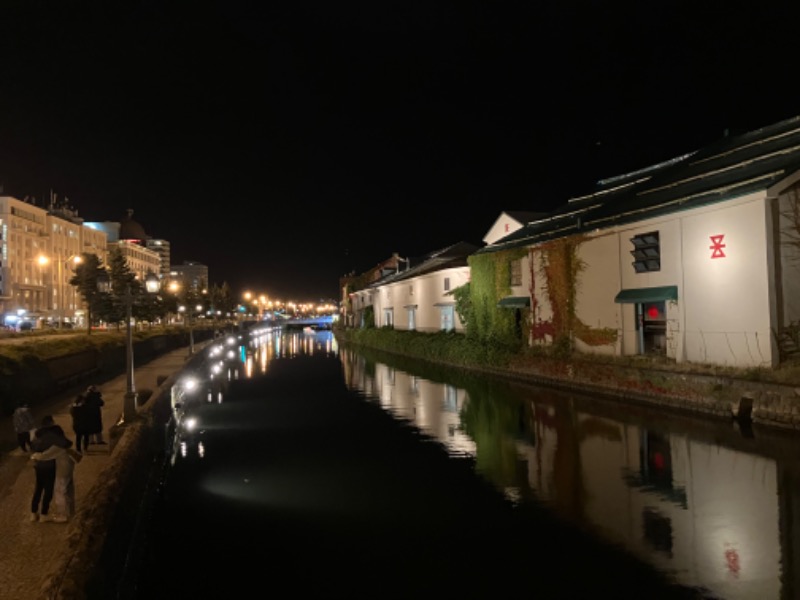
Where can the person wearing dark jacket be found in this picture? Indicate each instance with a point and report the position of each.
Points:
(94, 403)
(49, 434)
(82, 423)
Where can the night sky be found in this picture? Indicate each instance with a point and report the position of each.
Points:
(285, 144)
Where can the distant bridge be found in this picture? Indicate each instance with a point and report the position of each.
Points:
(321, 323)
(317, 323)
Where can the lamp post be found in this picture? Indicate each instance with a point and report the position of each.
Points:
(129, 403)
(187, 323)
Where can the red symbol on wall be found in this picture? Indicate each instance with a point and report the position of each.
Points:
(506, 227)
(717, 246)
(732, 561)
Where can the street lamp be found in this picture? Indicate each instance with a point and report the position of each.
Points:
(187, 323)
(129, 404)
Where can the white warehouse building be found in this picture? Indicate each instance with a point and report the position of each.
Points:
(696, 258)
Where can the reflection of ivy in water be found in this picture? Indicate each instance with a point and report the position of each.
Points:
(491, 416)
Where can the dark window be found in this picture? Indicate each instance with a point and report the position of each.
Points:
(646, 252)
(516, 272)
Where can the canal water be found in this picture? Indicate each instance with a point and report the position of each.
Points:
(297, 467)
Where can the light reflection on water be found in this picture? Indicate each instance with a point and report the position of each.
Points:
(691, 496)
(700, 502)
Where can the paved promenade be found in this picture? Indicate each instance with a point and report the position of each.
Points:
(47, 560)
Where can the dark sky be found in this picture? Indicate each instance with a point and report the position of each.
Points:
(285, 144)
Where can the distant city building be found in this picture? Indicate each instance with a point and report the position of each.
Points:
(131, 240)
(162, 248)
(38, 250)
(190, 274)
(133, 234)
(39, 246)
(109, 228)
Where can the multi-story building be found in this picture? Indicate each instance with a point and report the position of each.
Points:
(23, 258)
(39, 248)
(130, 237)
(190, 275)
(162, 247)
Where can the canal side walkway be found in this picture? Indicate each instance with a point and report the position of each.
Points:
(51, 560)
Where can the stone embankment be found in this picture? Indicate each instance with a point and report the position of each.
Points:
(756, 402)
(646, 381)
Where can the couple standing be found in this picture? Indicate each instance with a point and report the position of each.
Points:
(87, 418)
(54, 463)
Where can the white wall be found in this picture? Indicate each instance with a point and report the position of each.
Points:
(722, 315)
(597, 286)
(726, 300)
(503, 226)
(428, 290)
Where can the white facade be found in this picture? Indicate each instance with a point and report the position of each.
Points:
(39, 249)
(140, 260)
(507, 223)
(724, 301)
(696, 259)
(420, 297)
(421, 303)
(24, 276)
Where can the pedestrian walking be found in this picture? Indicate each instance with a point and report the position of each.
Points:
(81, 423)
(24, 424)
(49, 434)
(94, 403)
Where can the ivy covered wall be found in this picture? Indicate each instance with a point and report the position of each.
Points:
(489, 282)
(552, 320)
(559, 269)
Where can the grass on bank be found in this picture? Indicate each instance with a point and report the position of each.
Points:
(456, 349)
(46, 344)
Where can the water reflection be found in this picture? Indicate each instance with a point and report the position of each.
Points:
(694, 498)
(195, 396)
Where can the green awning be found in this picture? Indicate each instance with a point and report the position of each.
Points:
(653, 294)
(515, 302)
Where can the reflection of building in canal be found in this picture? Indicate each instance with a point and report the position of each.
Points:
(432, 407)
(716, 509)
(271, 343)
(708, 513)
